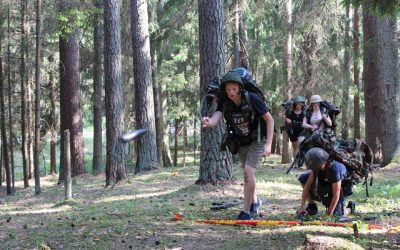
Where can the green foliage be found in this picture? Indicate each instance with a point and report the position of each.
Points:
(396, 159)
(74, 18)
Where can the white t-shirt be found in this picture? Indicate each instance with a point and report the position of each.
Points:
(316, 118)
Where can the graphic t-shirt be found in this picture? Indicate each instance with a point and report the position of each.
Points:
(240, 116)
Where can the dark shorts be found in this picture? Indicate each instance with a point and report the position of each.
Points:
(339, 210)
(294, 135)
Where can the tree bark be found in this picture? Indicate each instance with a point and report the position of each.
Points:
(24, 146)
(70, 96)
(185, 128)
(10, 91)
(346, 77)
(176, 131)
(97, 163)
(194, 139)
(356, 72)
(244, 57)
(52, 120)
(236, 42)
(166, 153)
(37, 97)
(144, 101)
(157, 107)
(215, 166)
(286, 156)
(381, 84)
(115, 166)
(5, 161)
(30, 125)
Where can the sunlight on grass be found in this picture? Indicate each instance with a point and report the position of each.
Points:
(133, 197)
(48, 210)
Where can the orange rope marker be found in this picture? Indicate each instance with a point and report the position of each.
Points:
(289, 223)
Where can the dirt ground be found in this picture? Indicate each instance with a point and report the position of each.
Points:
(140, 214)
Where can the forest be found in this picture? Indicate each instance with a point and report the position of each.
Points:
(79, 77)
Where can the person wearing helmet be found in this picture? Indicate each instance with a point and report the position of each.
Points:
(294, 118)
(326, 183)
(246, 134)
(316, 118)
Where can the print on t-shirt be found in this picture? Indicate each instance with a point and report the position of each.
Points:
(240, 122)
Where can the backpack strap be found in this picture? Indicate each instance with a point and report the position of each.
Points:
(227, 111)
(248, 101)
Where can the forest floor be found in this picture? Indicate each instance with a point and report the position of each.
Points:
(140, 213)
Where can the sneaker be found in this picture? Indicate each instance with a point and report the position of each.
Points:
(343, 219)
(352, 206)
(254, 207)
(312, 209)
(244, 216)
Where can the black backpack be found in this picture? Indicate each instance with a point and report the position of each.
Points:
(355, 154)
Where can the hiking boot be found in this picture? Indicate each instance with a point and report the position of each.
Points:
(244, 216)
(312, 209)
(254, 207)
(352, 206)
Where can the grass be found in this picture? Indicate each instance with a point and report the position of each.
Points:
(139, 213)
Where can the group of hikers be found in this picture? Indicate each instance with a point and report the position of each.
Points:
(249, 133)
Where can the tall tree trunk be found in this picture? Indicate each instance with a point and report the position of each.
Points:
(194, 139)
(278, 145)
(30, 125)
(1, 150)
(97, 162)
(3, 129)
(244, 57)
(176, 149)
(236, 42)
(37, 97)
(52, 120)
(70, 96)
(10, 91)
(160, 100)
(144, 101)
(157, 107)
(286, 156)
(184, 130)
(381, 79)
(309, 48)
(166, 153)
(272, 87)
(346, 76)
(356, 72)
(215, 165)
(115, 166)
(24, 147)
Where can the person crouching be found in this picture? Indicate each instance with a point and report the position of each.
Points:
(327, 183)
